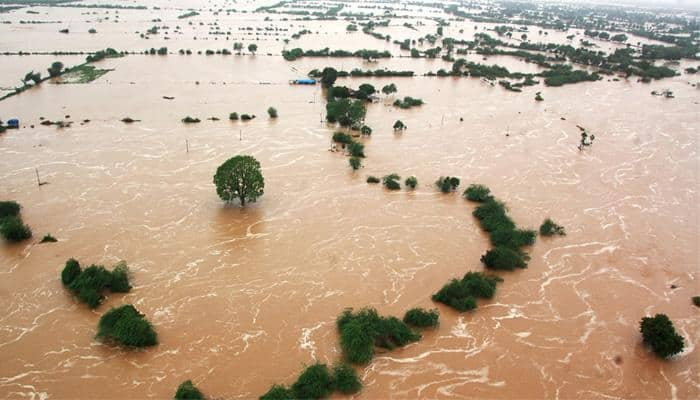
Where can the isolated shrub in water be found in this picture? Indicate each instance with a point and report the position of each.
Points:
(399, 125)
(342, 137)
(345, 379)
(233, 116)
(239, 178)
(14, 230)
(447, 184)
(188, 391)
(504, 258)
(70, 271)
(411, 182)
(391, 182)
(478, 193)
(366, 130)
(315, 382)
(372, 179)
(550, 228)
(246, 117)
(190, 120)
(461, 294)
(272, 112)
(421, 318)
(126, 326)
(120, 278)
(278, 392)
(355, 163)
(658, 333)
(696, 300)
(9, 209)
(356, 149)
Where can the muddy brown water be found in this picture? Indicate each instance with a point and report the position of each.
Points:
(244, 298)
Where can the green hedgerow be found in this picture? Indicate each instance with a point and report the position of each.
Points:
(9, 209)
(126, 326)
(461, 294)
(315, 382)
(70, 271)
(188, 391)
(422, 318)
(658, 332)
(278, 392)
(550, 228)
(478, 193)
(13, 229)
(345, 379)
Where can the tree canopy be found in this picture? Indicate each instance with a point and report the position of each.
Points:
(239, 178)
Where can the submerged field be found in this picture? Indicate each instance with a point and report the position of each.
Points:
(243, 298)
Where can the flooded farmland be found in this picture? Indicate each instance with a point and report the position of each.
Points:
(245, 297)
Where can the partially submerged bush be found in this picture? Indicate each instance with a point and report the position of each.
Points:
(422, 318)
(366, 130)
(550, 228)
(478, 193)
(48, 239)
(504, 258)
(9, 209)
(355, 163)
(391, 182)
(272, 112)
(247, 117)
(341, 137)
(372, 179)
(356, 149)
(411, 182)
(89, 284)
(399, 125)
(315, 382)
(658, 332)
(696, 301)
(361, 331)
(462, 294)
(190, 120)
(188, 391)
(233, 116)
(278, 392)
(447, 184)
(70, 271)
(345, 379)
(13, 229)
(125, 325)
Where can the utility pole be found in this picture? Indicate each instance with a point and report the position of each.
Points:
(187, 145)
(38, 181)
(240, 134)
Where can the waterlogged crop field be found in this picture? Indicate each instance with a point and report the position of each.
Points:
(245, 297)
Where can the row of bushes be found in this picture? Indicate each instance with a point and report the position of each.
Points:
(12, 228)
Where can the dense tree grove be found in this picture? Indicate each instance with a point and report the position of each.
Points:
(239, 178)
(422, 318)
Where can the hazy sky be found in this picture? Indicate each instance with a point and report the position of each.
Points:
(684, 4)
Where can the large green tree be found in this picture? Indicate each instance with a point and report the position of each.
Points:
(239, 178)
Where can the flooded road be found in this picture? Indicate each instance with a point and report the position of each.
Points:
(244, 298)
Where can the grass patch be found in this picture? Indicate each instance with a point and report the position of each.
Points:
(83, 74)
(462, 294)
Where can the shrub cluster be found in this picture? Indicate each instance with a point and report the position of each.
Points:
(372, 179)
(12, 228)
(462, 294)
(408, 102)
(88, 284)
(506, 238)
(422, 318)
(411, 182)
(478, 193)
(658, 332)
(391, 182)
(447, 184)
(125, 325)
(360, 332)
(190, 120)
(317, 381)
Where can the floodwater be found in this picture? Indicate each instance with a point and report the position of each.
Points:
(244, 298)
